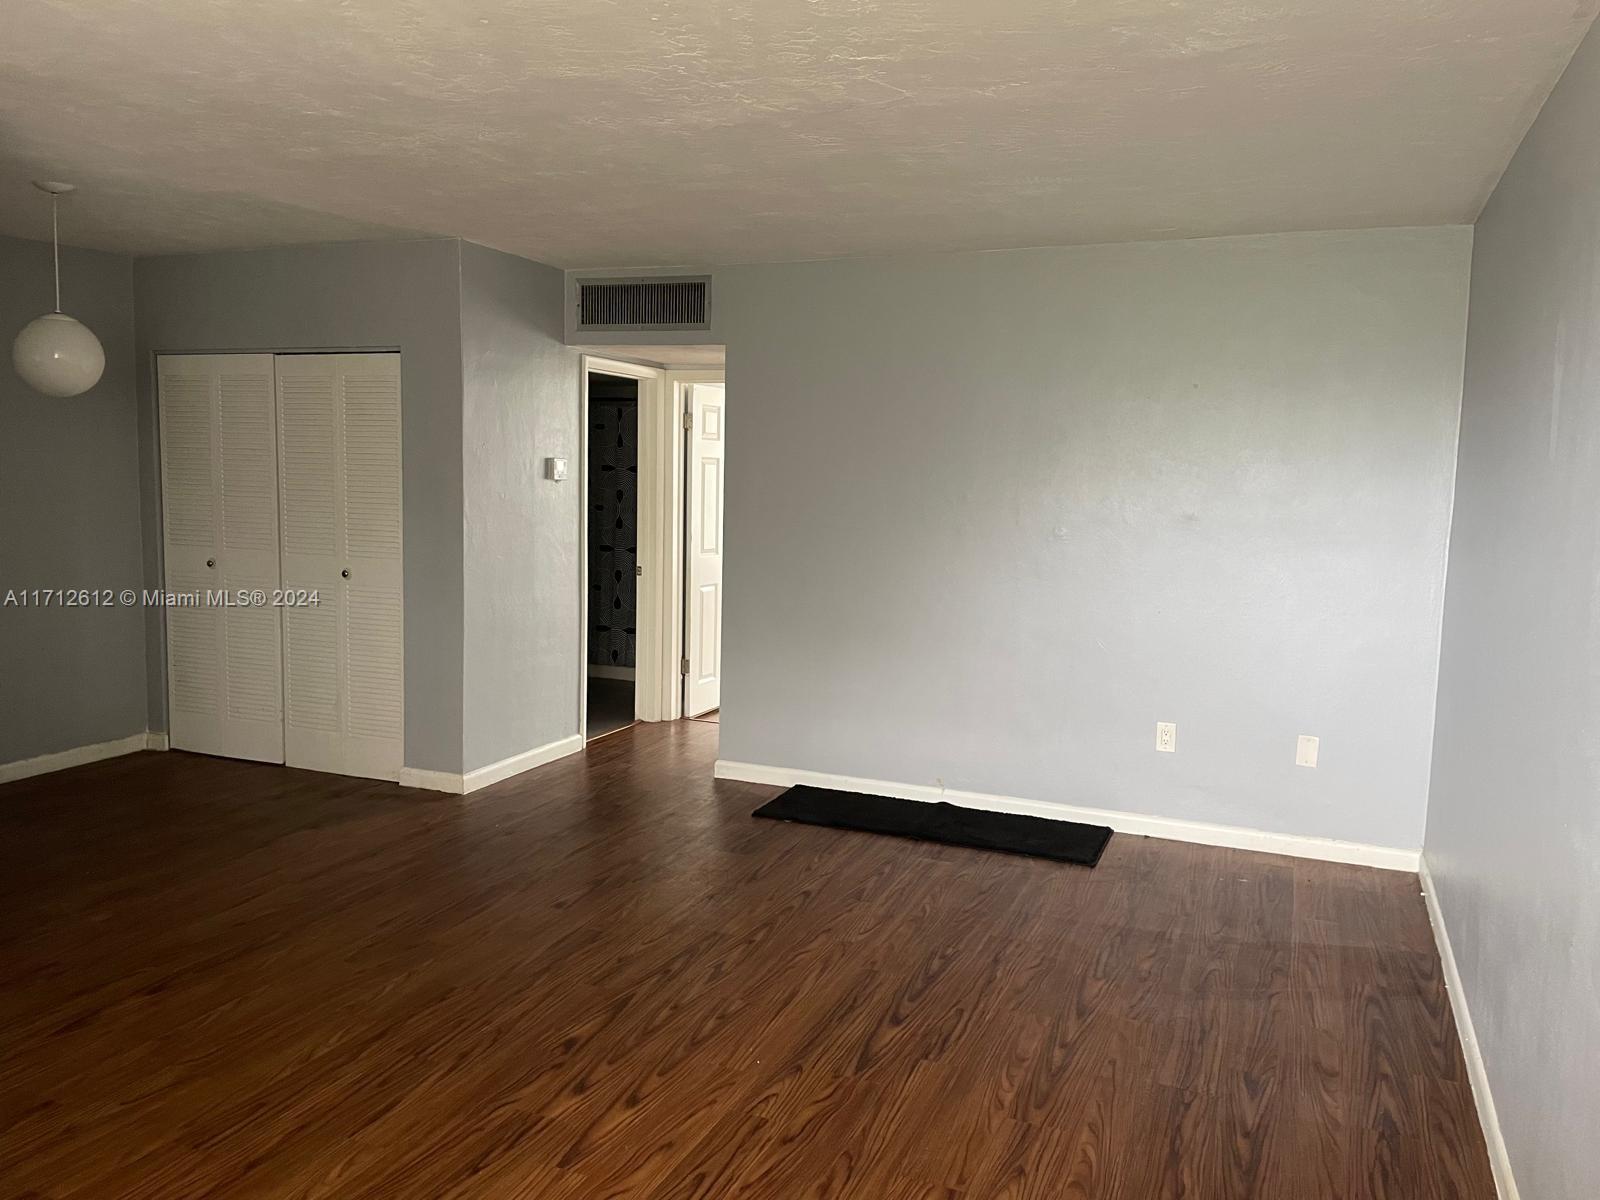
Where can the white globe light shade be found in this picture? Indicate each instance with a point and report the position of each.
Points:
(58, 356)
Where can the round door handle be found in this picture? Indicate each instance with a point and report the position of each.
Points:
(345, 572)
(211, 562)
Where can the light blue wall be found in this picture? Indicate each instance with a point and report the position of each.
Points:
(521, 400)
(1513, 840)
(990, 517)
(69, 516)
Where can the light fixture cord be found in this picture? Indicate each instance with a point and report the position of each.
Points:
(55, 242)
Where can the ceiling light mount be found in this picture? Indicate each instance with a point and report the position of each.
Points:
(56, 354)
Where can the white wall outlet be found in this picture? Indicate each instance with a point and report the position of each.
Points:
(1305, 751)
(1166, 737)
(555, 469)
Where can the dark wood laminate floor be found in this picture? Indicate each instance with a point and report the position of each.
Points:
(602, 979)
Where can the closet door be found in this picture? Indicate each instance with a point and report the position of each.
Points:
(219, 486)
(339, 482)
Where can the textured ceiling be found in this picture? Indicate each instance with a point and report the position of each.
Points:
(641, 132)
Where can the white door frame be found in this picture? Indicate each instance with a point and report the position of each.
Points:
(648, 679)
(663, 393)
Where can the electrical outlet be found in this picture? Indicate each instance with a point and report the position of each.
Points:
(1305, 751)
(1166, 737)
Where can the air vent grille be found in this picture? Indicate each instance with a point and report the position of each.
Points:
(653, 303)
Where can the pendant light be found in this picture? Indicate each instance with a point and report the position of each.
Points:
(56, 354)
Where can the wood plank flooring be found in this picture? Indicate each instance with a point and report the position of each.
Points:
(602, 979)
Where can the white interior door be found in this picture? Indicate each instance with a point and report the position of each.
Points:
(339, 468)
(219, 487)
(702, 688)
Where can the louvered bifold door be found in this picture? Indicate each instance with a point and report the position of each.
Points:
(219, 487)
(339, 482)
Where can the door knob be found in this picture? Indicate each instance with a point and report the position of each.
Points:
(345, 572)
(211, 562)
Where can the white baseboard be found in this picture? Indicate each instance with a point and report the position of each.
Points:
(526, 761)
(1477, 1072)
(432, 781)
(603, 671)
(472, 781)
(154, 740)
(76, 757)
(1390, 858)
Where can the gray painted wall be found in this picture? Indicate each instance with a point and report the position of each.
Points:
(69, 516)
(520, 385)
(356, 296)
(992, 516)
(1513, 839)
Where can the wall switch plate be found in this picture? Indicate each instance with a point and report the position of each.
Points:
(1166, 737)
(1305, 751)
(555, 468)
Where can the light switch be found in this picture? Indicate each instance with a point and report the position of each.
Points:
(555, 468)
(1305, 751)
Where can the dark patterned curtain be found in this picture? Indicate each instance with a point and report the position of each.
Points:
(613, 530)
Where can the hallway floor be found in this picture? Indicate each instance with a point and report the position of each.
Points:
(611, 706)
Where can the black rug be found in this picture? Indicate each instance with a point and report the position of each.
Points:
(1063, 841)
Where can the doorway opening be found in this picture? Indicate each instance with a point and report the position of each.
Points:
(651, 541)
(612, 505)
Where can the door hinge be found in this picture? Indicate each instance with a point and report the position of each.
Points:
(683, 666)
(637, 569)
(688, 418)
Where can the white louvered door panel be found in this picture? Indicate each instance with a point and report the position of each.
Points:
(339, 465)
(307, 482)
(220, 538)
(252, 629)
(186, 397)
(371, 652)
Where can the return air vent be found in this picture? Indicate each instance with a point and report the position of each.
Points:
(657, 302)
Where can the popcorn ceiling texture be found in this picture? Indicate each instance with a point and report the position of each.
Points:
(644, 132)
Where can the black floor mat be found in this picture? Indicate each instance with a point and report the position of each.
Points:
(1063, 841)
